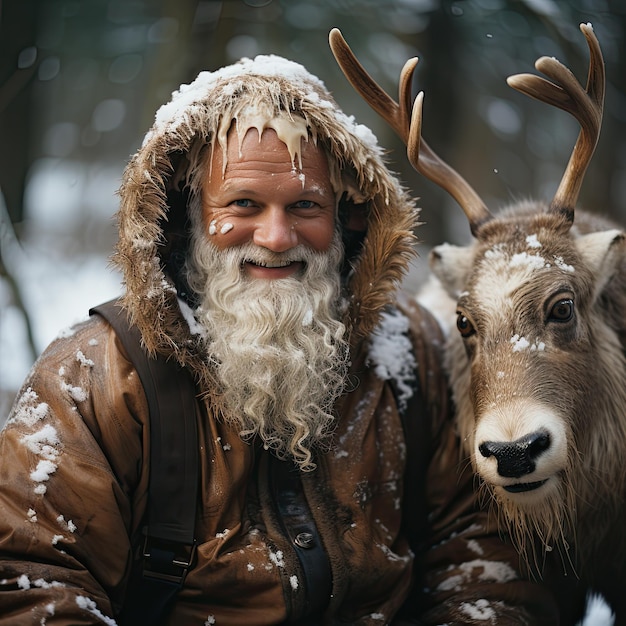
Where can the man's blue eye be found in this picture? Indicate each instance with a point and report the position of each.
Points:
(305, 204)
(242, 203)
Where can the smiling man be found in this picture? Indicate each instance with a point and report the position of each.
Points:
(262, 241)
(266, 254)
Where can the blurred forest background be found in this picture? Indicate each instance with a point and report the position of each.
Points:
(81, 80)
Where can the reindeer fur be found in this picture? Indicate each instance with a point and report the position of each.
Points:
(520, 372)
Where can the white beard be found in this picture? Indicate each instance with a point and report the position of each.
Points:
(278, 345)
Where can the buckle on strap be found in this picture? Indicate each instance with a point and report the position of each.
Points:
(167, 560)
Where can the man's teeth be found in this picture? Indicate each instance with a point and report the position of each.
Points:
(270, 265)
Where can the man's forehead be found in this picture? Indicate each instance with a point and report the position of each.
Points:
(266, 161)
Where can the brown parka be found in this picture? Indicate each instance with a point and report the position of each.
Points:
(401, 539)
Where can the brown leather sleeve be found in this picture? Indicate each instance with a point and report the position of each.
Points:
(68, 464)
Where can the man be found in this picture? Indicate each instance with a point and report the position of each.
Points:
(262, 242)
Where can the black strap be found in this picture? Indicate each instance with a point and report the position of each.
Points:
(297, 522)
(169, 542)
(422, 418)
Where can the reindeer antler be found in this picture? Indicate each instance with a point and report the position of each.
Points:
(586, 105)
(420, 155)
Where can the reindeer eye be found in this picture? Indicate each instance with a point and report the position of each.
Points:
(465, 327)
(562, 311)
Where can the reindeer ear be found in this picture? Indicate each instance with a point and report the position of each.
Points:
(602, 252)
(451, 265)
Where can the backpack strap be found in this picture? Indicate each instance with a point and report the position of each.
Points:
(169, 542)
(423, 417)
(426, 411)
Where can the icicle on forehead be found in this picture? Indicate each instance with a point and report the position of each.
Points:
(291, 130)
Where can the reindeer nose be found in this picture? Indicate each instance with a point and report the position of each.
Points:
(516, 458)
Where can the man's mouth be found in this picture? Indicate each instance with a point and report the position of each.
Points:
(272, 269)
(268, 264)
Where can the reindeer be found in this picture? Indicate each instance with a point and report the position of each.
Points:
(537, 364)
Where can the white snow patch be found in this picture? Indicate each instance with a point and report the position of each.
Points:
(561, 264)
(519, 343)
(523, 259)
(44, 584)
(43, 442)
(83, 360)
(192, 97)
(28, 410)
(23, 582)
(277, 558)
(69, 524)
(77, 393)
(474, 546)
(43, 471)
(195, 328)
(598, 612)
(533, 242)
(90, 606)
(479, 610)
(493, 571)
(391, 352)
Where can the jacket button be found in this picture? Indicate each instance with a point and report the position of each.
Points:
(304, 540)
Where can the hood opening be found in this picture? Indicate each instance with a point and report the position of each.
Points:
(353, 232)
(176, 227)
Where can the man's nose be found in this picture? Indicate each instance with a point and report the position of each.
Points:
(276, 230)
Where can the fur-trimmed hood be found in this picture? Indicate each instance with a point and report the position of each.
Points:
(153, 219)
